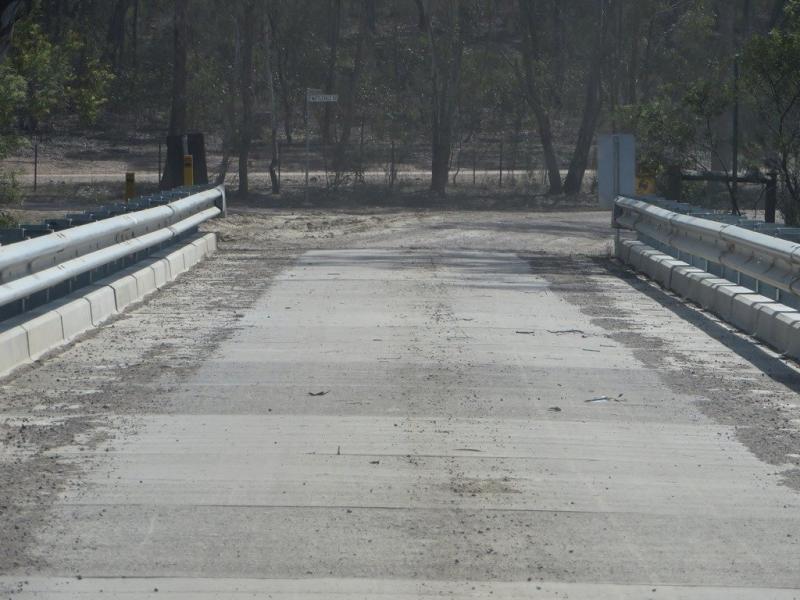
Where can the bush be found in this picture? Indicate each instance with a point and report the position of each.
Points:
(10, 192)
(7, 220)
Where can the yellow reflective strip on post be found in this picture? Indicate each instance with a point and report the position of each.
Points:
(130, 186)
(188, 170)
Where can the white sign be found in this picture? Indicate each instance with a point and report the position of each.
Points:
(323, 97)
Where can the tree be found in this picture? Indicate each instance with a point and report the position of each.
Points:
(533, 94)
(445, 46)
(10, 12)
(591, 110)
(247, 28)
(771, 66)
(173, 167)
(273, 115)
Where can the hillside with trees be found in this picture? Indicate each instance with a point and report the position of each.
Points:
(440, 86)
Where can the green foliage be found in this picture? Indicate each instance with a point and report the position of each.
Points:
(45, 69)
(89, 82)
(7, 220)
(12, 97)
(771, 66)
(60, 78)
(10, 192)
(676, 130)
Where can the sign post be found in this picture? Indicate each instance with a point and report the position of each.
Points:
(315, 96)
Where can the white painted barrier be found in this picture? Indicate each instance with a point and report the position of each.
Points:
(766, 259)
(28, 337)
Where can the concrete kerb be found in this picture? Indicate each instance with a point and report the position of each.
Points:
(102, 302)
(28, 337)
(45, 332)
(769, 321)
(160, 270)
(14, 343)
(779, 323)
(76, 317)
(125, 291)
(145, 281)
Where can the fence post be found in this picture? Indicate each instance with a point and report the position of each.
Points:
(35, 165)
(501, 163)
(130, 186)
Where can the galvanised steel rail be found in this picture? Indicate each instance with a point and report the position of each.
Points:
(43, 263)
(764, 263)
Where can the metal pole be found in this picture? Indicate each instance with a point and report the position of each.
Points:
(308, 145)
(735, 162)
(501, 163)
(35, 165)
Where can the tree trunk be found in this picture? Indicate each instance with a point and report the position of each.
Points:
(335, 18)
(10, 11)
(248, 27)
(274, 163)
(282, 59)
(591, 111)
(531, 92)
(349, 111)
(177, 118)
(115, 39)
(445, 76)
(777, 14)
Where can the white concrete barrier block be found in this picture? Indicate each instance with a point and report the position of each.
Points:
(201, 247)
(125, 291)
(76, 317)
(745, 311)
(664, 268)
(787, 332)
(45, 332)
(211, 241)
(649, 262)
(160, 272)
(729, 297)
(638, 256)
(177, 264)
(707, 290)
(774, 325)
(190, 255)
(145, 281)
(626, 247)
(684, 279)
(14, 349)
(102, 302)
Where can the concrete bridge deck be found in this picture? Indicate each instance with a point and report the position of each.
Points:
(453, 406)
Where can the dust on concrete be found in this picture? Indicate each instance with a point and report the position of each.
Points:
(743, 385)
(93, 390)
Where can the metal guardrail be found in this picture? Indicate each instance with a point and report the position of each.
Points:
(63, 260)
(764, 263)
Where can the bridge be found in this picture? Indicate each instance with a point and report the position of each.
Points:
(408, 405)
